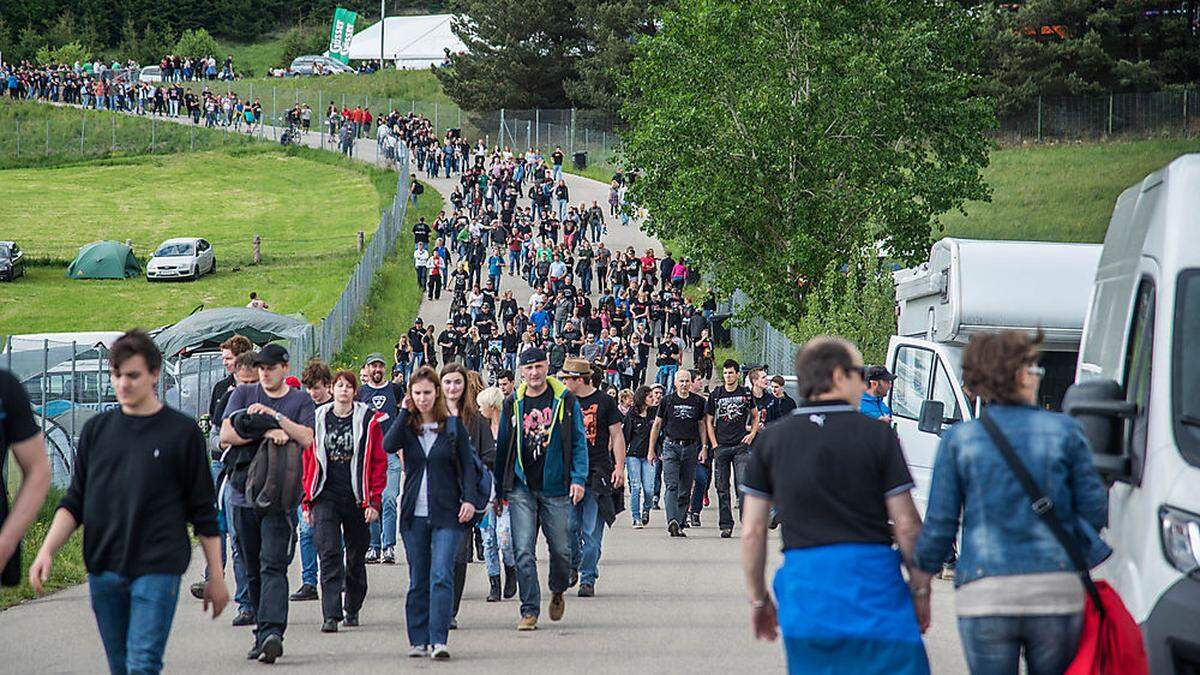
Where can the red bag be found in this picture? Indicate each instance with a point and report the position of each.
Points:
(1111, 642)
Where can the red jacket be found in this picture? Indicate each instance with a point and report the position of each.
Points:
(368, 469)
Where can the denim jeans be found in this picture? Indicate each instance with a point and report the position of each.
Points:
(267, 547)
(527, 509)
(134, 617)
(497, 542)
(587, 537)
(730, 459)
(242, 593)
(427, 607)
(993, 644)
(383, 530)
(308, 551)
(640, 473)
(699, 487)
(556, 175)
(666, 377)
(679, 468)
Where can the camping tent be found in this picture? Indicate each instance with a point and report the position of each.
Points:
(104, 260)
(213, 326)
(410, 41)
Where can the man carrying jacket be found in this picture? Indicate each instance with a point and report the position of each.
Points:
(541, 469)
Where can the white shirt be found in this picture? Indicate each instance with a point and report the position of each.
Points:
(427, 437)
(421, 258)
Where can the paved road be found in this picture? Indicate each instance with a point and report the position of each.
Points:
(663, 605)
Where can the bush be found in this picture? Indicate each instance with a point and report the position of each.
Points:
(196, 44)
(303, 39)
(855, 301)
(68, 53)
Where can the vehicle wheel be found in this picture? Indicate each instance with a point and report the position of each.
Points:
(195, 273)
(213, 270)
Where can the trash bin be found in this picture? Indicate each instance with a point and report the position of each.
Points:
(580, 160)
(720, 332)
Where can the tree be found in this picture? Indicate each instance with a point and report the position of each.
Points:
(610, 27)
(856, 301)
(196, 44)
(521, 54)
(773, 137)
(69, 53)
(304, 39)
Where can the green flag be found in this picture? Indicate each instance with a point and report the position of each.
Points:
(341, 34)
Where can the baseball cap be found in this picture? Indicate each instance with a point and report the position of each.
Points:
(879, 373)
(375, 357)
(271, 355)
(532, 355)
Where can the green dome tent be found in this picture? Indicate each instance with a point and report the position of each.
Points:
(104, 260)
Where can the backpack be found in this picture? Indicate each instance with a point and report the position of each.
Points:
(273, 479)
(484, 482)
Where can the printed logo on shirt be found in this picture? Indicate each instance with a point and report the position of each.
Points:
(589, 422)
(818, 420)
(536, 425)
(378, 401)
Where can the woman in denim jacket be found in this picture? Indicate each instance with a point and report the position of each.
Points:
(1015, 585)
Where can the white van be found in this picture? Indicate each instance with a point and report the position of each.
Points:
(1138, 399)
(968, 287)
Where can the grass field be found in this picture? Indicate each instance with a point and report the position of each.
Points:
(402, 87)
(68, 568)
(253, 57)
(307, 213)
(1059, 192)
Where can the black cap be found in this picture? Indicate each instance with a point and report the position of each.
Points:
(271, 355)
(532, 355)
(879, 373)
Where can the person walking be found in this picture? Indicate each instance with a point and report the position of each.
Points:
(317, 380)
(265, 537)
(842, 489)
(732, 424)
(1016, 589)
(873, 403)
(541, 469)
(438, 501)
(20, 432)
(680, 421)
(141, 475)
(345, 470)
(606, 471)
(638, 468)
(383, 396)
(497, 526)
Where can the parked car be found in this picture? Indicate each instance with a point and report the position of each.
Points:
(150, 74)
(303, 65)
(12, 261)
(181, 258)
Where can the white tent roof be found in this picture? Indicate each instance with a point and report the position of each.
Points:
(408, 38)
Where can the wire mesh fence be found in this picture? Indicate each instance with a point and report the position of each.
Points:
(755, 340)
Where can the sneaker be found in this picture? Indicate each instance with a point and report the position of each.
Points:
(695, 520)
(198, 590)
(656, 507)
(587, 591)
(351, 621)
(646, 517)
(389, 555)
(245, 618)
(725, 534)
(418, 651)
(574, 578)
(372, 556)
(528, 622)
(330, 626)
(440, 652)
(637, 525)
(674, 529)
(305, 592)
(272, 648)
(558, 605)
(947, 573)
(254, 653)
(453, 624)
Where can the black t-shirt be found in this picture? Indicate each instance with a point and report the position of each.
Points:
(449, 341)
(681, 417)
(339, 456)
(668, 353)
(732, 412)
(16, 425)
(384, 398)
(829, 470)
(766, 407)
(557, 157)
(599, 413)
(421, 233)
(536, 427)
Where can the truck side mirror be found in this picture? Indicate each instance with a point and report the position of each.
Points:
(932, 413)
(1101, 409)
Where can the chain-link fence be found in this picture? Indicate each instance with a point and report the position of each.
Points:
(1069, 118)
(756, 341)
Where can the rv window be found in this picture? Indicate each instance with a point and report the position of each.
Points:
(1138, 359)
(913, 366)
(943, 390)
(1185, 362)
(1060, 374)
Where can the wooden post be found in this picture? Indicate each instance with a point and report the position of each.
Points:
(257, 249)
(362, 239)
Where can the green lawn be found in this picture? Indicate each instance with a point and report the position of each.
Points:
(307, 213)
(1060, 192)
(68, 568)
(253, 57)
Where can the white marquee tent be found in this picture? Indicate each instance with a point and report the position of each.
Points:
(409, 41)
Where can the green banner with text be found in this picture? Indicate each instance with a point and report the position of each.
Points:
(341, 34)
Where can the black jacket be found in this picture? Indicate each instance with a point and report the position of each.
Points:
(451, 481)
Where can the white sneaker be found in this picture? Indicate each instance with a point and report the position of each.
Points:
(440, 652)
(418, 651)
(637, 525)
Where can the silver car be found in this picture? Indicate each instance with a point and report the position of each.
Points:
(304, 65)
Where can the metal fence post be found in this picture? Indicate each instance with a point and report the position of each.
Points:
(114, 133)
(537, 124)
(82, 130)
(18, 138)
(1039, 119)
(320, 111)
(1110, 114)
(1185, 115)
(74, 400)
(47, 138)
(45, 377)
(153, 132)
(435, 116)
(273, 115)
(500, 134)
(572, 142)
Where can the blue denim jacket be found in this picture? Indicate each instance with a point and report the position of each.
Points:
(1001, 533)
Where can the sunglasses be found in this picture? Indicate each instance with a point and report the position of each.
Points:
(1035, 370)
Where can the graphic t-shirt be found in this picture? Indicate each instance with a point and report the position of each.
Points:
(599, 413)
(537, 423)
(339, 456)
(731, 412)
(681, 417)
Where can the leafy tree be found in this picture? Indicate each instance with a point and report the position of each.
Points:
(304, 39)
(774, 137)
(68, 53)
(196, 44)
(611, 27)
(522, 54)
(856, 301)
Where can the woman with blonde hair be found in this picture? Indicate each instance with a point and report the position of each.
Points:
(497, 528)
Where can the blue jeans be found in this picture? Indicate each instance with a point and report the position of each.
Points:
(497, 542)
(699, 488)
(992, 644)
(134, 617)
(587, 536)
(526, 509)
(308, 551)
(679, 469)
(383, 530)
(666, 377)
(430, 600)
(242, 585)
(556, 175)
(640, 475)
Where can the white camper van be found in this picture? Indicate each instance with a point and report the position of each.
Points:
(968, 287)
(1138, 399)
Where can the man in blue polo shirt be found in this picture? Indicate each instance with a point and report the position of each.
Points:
(873, 403)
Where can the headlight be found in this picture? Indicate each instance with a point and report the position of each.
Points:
(1180, 538)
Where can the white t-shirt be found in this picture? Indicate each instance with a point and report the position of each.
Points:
(427, 437)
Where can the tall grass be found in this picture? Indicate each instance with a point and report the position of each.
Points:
(68, 568)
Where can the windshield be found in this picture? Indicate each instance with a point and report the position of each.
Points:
(4, 250)
(1185, 369)
(173, 249)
